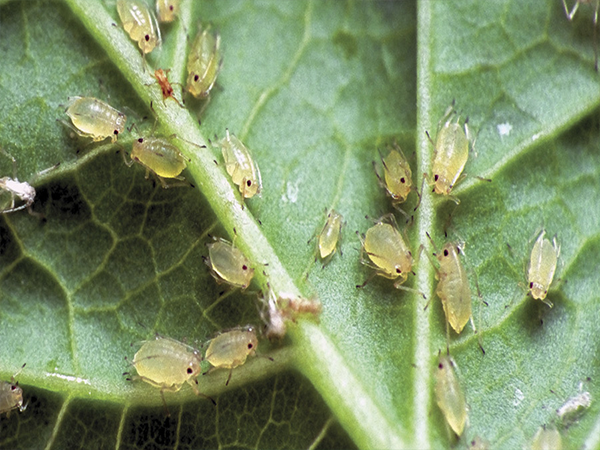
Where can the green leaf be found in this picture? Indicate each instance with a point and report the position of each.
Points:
(314, 89)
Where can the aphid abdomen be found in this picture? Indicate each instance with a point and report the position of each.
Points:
(449, 395)
(455, 293)
(96, 119)
(451, 154)
(160, 156)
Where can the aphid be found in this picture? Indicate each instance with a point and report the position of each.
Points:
(389, 255)
(571, 14)
(451, 151)
(449, 395)
(167, 10)
(542, 266)
(167, 364)
(11, 395)
(165, 85)
(139, 22)
(227, 264)
(328, 238)
(231, 348)
(397, 176)
(574, 406)
(204, 63)
(94, 119)
(547, 439)
(160, 157)
(240, 166)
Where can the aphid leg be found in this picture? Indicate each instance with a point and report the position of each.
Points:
(197, 392)
(162, 395)
(398, 285)
(229, 377)
(360, 286)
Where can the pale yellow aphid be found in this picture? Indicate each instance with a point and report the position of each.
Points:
(231, 349)
(11, 395)
(167, 364)
(449, 395)
(571, 14)
(167, 10)
(204, 63)
(542, 266)
(329, 237)
(451, 151)
(95, 119)
(388, 254)
(160, 157)
(139, 22)
(240, 166)
(397, 176)
(227, 264)
(547, 438)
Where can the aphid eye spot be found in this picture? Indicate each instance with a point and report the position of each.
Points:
(440, 366)
(531, 285)
(13, 387)
(445, 252)
(402, 180)
(116, 132)
(250, 346)
(147, 37)
(244, 267)
(435, 177)
(189, 370)
(398, 270)
(196, 77)
(249, 183)
(170, 7)
(140, 140)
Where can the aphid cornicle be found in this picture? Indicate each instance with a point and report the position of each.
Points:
(542, 266)
(388, 254)
(451, 151)
(227, 264)
(204, 63)
(240, 166)
(230, 349)
(167, 10)
(449, 394)
(160, 157)
(139, 22)
(95, 119)
(167, 364)
(397, 176)
(11, 395)
(547, 438)
(329, 237)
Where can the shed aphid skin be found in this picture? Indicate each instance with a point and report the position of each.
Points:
(167, 364)
(165, 85)
(95, 119)
(547, 438)
(140, 23)
(160, 157)
(227, 264)
(453, 288)
(451, 151)
(328, 239)
(240, 166)
(574, 407)
(167, 10)
(11, 395)
(388, 254)
(272, 316)
(542, 266)
(397, 176)
(571, 14)
(204, 63)
(449, 394)
(230, 349)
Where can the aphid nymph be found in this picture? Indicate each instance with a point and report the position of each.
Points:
(542, 265)
(449, 394)
(227, 264)
(167, 10)
(11, 395)
(397, 176)
(547, 438)
(167, 364)
(329, 238)
(240, 166)
(204, 63)
(139, 22)
(95, 119)
(230, 349)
